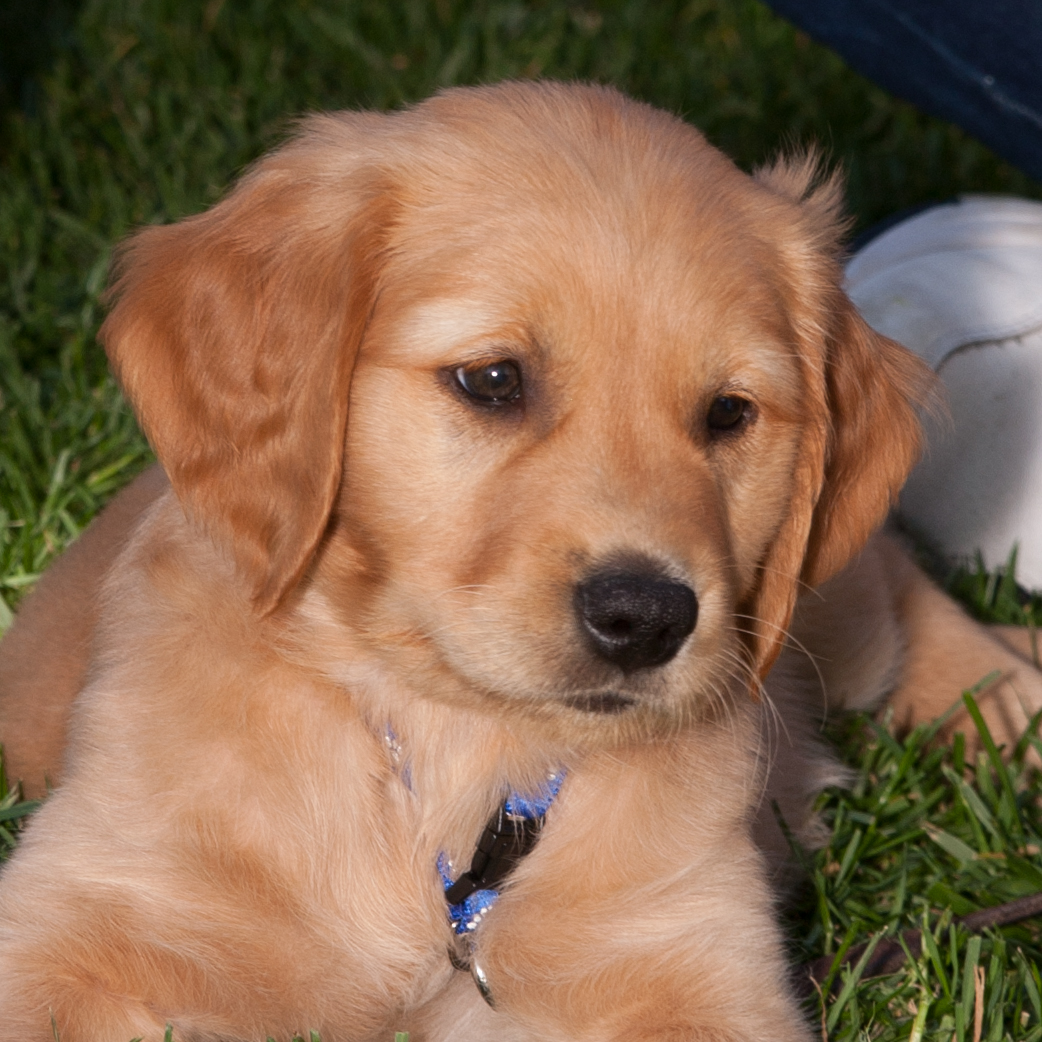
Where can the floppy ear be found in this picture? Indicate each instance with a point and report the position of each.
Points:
(234, 334)
(863, 394)
(876, 390)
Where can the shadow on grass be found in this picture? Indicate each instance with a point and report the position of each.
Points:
(31, 32)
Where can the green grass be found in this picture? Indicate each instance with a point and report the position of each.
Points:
(921, 836)
(67, 442)
(925, 835)
(149, 108)
(995, 596)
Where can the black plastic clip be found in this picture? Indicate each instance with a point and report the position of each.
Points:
(507, 838)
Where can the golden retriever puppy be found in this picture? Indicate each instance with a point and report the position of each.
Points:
(501, 435)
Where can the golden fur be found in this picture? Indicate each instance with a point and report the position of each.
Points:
(348, 542)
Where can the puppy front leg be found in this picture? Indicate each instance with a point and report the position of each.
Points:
(1027, 643)
(84, 1013)
(881, 629)
(948, 652)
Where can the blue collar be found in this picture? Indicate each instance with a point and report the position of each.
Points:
(509, 835)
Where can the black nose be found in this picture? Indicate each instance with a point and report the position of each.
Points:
(635, 621)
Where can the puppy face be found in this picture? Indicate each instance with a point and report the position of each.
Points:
(564, 464)
(569, 404)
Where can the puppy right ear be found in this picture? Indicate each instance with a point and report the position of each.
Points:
(234, 334)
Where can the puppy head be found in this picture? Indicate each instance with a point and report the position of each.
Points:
(549, 405)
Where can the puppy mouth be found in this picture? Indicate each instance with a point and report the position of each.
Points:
(607, 702)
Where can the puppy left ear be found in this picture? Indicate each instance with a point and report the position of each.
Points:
(863, 394)
(852, 467)
(876, 390)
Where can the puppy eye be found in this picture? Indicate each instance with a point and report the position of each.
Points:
(727, 413)
(495, 383)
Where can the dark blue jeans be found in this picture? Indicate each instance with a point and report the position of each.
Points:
(976, 63)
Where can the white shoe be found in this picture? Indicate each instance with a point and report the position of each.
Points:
(961, 285)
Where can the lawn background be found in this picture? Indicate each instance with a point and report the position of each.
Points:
(115, 113)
